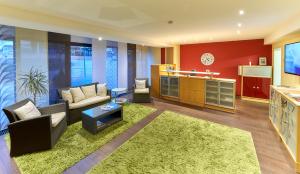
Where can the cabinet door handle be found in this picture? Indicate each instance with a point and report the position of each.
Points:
(253, 87)
(257, 87)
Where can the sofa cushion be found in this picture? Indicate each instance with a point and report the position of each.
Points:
(141, 91)
(140, 84)
(57, 117)
(67, 96)
(77, 94)
(101, 90)
(89, 91)
(88, 101)
(27, 111)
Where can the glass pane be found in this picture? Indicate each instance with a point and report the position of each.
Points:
(7, 72)
(111, 69)
(81, 65)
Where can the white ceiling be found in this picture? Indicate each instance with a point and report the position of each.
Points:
(195, 21)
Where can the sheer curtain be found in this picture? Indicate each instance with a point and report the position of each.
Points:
(7, 71)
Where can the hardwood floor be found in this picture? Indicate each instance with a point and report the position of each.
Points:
(252, 117)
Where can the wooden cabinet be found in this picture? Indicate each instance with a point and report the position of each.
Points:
(156, 72)
(256, 87)
(192, 91)
(256, 81)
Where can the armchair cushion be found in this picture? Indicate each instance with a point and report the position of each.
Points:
(141, 91)
(56, 118)
(67, 96)
(140, 84)
(77, 94)
(89, 91)
(87, 102)
(27, 111)
(102, 90)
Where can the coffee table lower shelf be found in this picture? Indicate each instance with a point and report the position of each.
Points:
(95, 119)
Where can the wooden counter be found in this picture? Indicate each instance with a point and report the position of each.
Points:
(284, 114)
(213, 93)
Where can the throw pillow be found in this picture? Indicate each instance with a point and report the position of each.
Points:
(140, 84)
(101, 90)
(27, 111)
(77, 94)
(89, 91)
(67, 96)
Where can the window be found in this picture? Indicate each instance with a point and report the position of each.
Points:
(81, 64)
(111, 70)
(7, 72)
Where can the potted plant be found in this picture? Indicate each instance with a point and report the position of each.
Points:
(34, 83)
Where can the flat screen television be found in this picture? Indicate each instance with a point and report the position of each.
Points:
(292, 58)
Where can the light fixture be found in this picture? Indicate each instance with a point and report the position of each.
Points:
(238, 31)
(241, 12)
(211, 38)
(239, 25)
(99, 38)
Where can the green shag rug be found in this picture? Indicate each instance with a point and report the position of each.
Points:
(76, 143)
(174, 143)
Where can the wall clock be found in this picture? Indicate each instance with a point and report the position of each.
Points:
(207, 59)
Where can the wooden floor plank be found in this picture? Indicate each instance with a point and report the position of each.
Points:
(249, 116)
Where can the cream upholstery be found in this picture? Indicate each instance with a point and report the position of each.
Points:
(140, 84)
(57, 117)
(88, 101)
(27, 111)
(67, 96)
(89, 91)
(77, 94)
(101, 90)
(141, 91)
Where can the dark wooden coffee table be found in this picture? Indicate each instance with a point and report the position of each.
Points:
(97, 119)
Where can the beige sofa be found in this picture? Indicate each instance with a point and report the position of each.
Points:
(75, 108)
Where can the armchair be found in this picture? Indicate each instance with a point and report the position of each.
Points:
(35, 134)
(142, 95)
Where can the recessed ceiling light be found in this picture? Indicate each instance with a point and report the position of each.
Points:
(211, 38)
(241, 12)
(99, 38)
(170, 22)
(239, 25)
(238, 31)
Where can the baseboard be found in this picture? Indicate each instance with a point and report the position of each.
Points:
(255, 99)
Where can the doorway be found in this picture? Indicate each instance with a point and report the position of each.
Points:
(277, 66)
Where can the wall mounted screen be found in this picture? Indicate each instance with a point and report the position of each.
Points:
(292, 58)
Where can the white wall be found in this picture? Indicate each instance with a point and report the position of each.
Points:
(31, 52)
(99, 60)
(122, 65)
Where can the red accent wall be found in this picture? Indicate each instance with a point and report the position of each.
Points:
(163, 56)
(228, 55)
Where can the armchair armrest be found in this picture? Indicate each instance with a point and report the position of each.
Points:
(30, 135)
(60, 107)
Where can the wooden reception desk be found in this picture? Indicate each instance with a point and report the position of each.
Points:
(213, 93)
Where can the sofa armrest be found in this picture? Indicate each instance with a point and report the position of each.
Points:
(60, 107)
(30, 135)
(109, 92)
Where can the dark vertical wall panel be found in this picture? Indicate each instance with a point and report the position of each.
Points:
(59, 63)
(131, 53)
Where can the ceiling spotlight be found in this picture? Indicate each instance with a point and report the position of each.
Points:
(238, 32)
(241, 12)
(99, 38)
(239, 25)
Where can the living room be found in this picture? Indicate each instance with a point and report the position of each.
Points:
(149, 87)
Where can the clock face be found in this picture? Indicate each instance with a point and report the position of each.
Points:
(207, 59)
